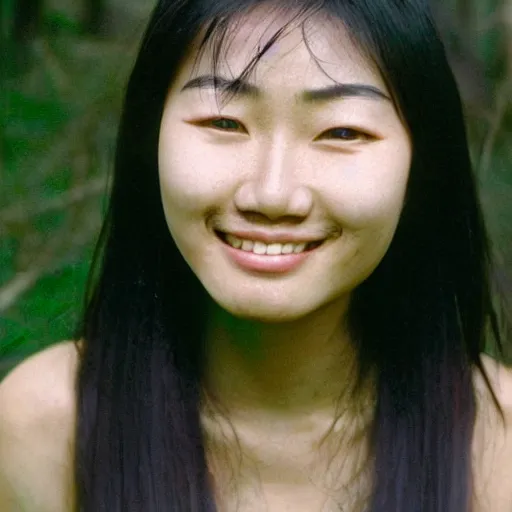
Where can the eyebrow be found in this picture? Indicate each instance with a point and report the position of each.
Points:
(241, 88)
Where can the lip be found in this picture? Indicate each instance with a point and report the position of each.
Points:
(262, 263)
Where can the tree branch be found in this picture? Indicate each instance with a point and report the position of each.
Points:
(20, 212)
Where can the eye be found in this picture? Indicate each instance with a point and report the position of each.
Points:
(346, 134)
(223, 124)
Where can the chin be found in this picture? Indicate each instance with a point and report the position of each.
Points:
(257, 310)
(282, 308)
(269, 317)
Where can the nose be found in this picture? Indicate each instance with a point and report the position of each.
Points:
(273, 188)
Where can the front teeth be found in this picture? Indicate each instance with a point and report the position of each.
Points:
(261, 248)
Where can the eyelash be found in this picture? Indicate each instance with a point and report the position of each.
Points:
(358, 134)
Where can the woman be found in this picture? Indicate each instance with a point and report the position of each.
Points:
(291, 294)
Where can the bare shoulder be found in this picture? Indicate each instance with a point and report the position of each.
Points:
(37, 412)
(501, 380)
(492, 453)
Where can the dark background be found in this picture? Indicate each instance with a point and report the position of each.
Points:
(63, 68)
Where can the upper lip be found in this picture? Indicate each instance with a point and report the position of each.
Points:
(276, 237)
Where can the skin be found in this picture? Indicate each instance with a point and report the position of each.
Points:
(37, 422)
(277, 363)
(334, 169)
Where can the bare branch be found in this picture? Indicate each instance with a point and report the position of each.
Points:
(502, 99)
(19, 212)
(18, 285)
(54, 253)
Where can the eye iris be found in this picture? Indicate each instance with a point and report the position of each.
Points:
(345, 133)
(225, 124)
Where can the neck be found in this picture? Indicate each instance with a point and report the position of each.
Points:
(282, 370)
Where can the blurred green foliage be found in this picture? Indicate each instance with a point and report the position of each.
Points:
(60, 98)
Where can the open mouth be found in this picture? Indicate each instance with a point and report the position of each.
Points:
(271, 249)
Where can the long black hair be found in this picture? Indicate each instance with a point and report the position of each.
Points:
(421, 320)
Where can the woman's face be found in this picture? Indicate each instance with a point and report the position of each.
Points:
(308, 150)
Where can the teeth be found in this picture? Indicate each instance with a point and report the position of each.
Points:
(257, 247)
(274, 249)
(247, 245)
(287, 248)
(235, 242)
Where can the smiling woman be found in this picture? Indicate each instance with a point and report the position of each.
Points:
(263, 162)
(291, 294)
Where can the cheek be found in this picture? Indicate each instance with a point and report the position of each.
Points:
(369, 191)
(190, 179)
(373, 203)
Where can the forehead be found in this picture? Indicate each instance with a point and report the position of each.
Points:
(319, 50)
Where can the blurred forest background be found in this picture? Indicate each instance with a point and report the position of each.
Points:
(63, 70)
